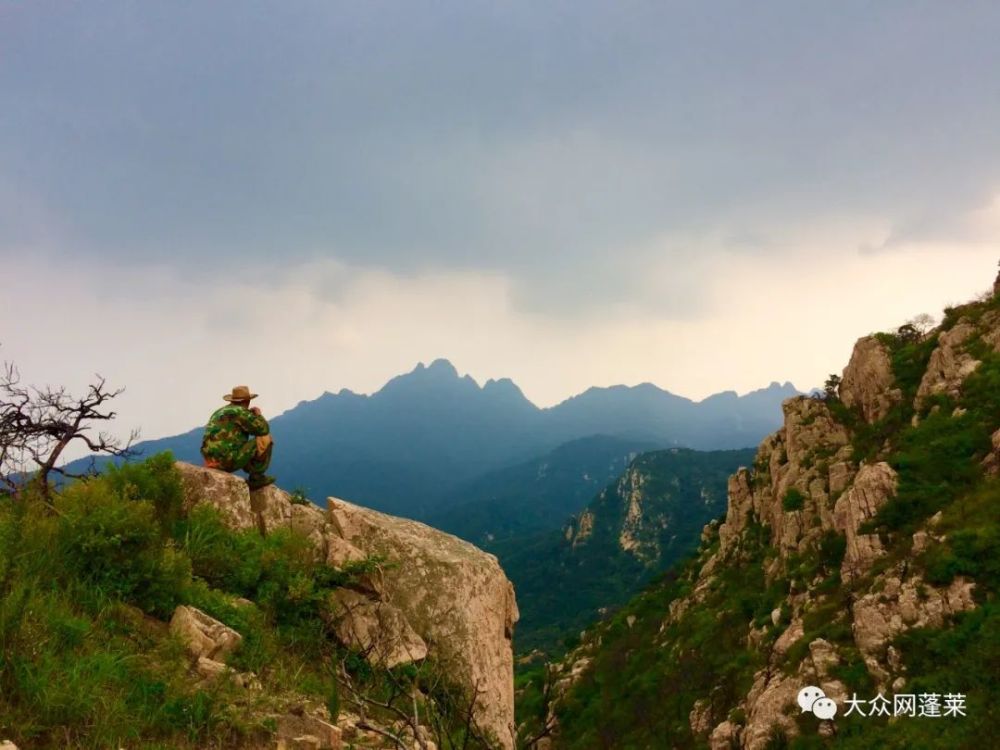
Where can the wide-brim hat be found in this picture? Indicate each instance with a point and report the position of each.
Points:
(240, 393)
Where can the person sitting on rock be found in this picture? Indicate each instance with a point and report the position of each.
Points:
(238, 437)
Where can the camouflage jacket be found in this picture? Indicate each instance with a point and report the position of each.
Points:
(228, 431)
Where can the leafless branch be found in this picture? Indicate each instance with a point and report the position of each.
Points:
(407, 717)
(548, 719)
(37, 424)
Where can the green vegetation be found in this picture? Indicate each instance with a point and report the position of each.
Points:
(793, 500)
(298, 496)
(86, 658)
(939, 459)
(562, 588)
(964, 658)
(909, 357)
(644, 681)
(537, 496)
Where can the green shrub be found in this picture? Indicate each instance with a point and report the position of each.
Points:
(793, 500)
(279, 572)
(117, 548)
(832, 547)
(298, 496)
(936, 461)
(154, 480)
(968, 552)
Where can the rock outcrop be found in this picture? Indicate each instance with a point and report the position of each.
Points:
(868, 382)
(454, 596)
(228, 494)
(808, 458)
(872, 488)
(898, 602)
(306, 731)
(811, 457)
(433, 596)
(630, 538)
(949, 365)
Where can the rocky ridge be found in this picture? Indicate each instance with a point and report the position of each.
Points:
(433, 596)
(819, 484)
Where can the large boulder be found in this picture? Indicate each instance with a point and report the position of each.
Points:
(457, 599)
(265, 510)
(227, 493)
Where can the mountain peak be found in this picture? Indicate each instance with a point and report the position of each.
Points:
(501, 384)
(439, 376)
(441, 366)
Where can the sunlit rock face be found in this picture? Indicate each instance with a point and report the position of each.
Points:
(434, 596)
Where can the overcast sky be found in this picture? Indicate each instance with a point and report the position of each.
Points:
(305, 196)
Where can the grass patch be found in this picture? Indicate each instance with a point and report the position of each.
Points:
(86, 658)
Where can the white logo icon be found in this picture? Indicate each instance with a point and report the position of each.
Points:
(824, 708)
(813, 699)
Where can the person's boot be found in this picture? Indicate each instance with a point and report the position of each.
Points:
(259, 481)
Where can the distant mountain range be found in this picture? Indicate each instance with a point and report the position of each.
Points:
(409, 448)
(535, 495)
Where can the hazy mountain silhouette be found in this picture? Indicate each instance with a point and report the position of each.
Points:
(406, 448)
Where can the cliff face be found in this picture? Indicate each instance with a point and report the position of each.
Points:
(811, 458)
(434, 596)
(646, 519)
(454, 596)
(859, 514)
(646, 513)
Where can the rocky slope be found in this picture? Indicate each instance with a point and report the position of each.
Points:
(648, 517)
(433, 597)
(859, 553)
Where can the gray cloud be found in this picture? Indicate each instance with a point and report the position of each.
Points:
(572, 146)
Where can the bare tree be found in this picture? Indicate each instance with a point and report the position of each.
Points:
(916, 328)
(38, 424)
(923, 323)
(532, 734)
(409, 713)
